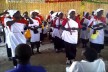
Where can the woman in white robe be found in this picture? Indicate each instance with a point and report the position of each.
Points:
(84, 35)
(70, 36)
(57, 32)
(35, 32)
(97, 31)
(16, 31)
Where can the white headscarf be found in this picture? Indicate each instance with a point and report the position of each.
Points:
(98, 10)
(12, 12)
(71, 11)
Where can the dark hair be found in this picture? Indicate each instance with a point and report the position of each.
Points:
(90, 54)
(92, 12)
(87, 14)
(23, 52)
(51, 12)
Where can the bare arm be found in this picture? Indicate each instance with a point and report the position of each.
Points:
(9, 23)
(3, 13)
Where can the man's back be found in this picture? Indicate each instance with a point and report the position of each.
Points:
(85, 66)
(27, 68)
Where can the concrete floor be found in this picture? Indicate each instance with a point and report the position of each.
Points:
(53, 62)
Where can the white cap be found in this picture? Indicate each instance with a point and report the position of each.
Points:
(71, 11)
(36, 11)
(98, 10)
(59, 13)
(31, 12)
(50, 11)
(12, 12)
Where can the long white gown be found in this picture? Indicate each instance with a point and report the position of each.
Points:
(15, 35)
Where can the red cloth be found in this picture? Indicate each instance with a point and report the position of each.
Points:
(41, 18)
(2, 20)
(77, 20)
(48, 17)
(89, 17)
(82, 21)
(54, 22)
(101, 19)
(64, 22)
(23, 21)
(40, 22)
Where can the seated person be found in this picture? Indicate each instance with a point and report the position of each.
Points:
(23, 53)
(91, 63)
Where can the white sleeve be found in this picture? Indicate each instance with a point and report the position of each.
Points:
(101, 65)
(75, 67)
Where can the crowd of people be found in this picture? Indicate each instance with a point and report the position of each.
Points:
(65, 31)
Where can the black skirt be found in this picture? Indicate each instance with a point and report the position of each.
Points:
(84, 41)
(58, 43)
(33, 44)
(97, 47)
(70, 50)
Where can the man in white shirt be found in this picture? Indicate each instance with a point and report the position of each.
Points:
(90, 63)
